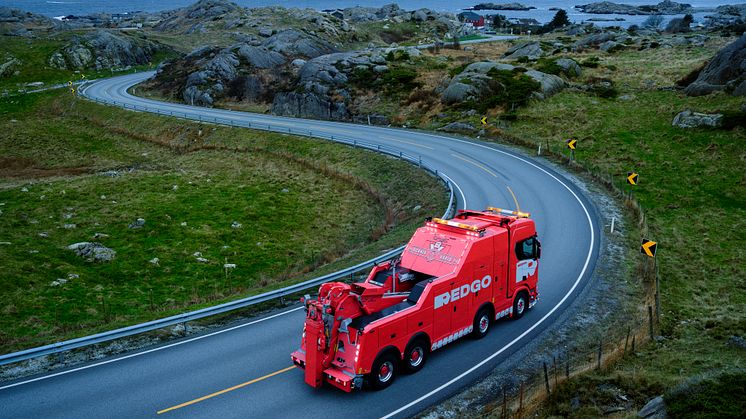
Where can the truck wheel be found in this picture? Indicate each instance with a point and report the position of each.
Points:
(384, 371)
(481, 324)
(520, 305)
(415, 356)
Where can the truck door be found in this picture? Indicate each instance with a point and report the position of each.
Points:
(442, 310)
(524, 259)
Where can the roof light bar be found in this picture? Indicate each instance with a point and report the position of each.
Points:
(455, 224)
(502, 211)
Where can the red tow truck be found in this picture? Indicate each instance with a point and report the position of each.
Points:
(453, 278)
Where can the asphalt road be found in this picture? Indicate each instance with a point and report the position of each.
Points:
(244, 371)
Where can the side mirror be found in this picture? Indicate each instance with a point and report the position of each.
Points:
(537, 249)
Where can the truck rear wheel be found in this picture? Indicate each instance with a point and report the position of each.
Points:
(481, 323)
(520, 305)
(384, 371)
(415, 356)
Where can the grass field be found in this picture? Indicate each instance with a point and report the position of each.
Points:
(693, 190)
(71, 169)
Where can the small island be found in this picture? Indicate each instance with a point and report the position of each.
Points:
(503, 6)
(666, 7)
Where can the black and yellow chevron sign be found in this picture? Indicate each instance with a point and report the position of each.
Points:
(484, 120)
(648, 247)
(632, 178)
(571, 144)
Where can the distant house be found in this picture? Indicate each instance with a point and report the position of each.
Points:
(475, 19)
(524, 22)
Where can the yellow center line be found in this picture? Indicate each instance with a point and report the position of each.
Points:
(517, 207)
(217, 393)
(407, 142)
(475, 164)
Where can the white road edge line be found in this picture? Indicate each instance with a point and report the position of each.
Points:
(151, 350)
(535, 325)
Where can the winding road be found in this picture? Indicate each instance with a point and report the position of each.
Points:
(245, 370)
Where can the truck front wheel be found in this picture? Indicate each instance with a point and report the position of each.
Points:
(384, 371)
(520, 305)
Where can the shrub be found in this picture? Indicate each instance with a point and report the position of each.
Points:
(591, 62)
(549, 66)
(510, 89)
(399, 79)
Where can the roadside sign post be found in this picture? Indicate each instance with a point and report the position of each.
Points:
(572, 145)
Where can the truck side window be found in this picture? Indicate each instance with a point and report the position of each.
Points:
(525, 249)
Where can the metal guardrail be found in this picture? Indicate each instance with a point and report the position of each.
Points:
(244, 302)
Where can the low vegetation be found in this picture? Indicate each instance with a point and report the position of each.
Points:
(227, 213)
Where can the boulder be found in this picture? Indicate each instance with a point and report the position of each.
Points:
(93, 252)
(654, 409)
(569, 67)
(726, 71)
(594, 40)
(689, 119)
(530, 50)
(550, 84)
(9, 66)
(610, 46)
(458, 127)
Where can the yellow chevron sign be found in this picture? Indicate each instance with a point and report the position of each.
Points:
(484, 120)
(648, 247)
(632, 178)
(571, 144)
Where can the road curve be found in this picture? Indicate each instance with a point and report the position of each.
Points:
(243, 371)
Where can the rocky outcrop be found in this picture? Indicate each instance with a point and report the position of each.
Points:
(569, 67)
(308, 105)
(726, 71)
(665, 7)
(503, 6)
(294, 43)
(104, 50)
(458, 127)
(689, 119)
(529, 50)
(196, 14)
(476, 82)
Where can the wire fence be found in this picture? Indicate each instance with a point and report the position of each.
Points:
(520, 397)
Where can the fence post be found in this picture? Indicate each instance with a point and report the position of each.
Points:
(520, 400)
(567, 365)
(650, 321)
(633, 343)
(546, 378)
(600, 350)
(504, 412)
(657, 293)
(626, 341)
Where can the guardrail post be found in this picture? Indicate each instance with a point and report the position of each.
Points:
(420, 162)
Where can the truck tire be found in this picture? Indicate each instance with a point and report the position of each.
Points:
(415, 356)
(481, 323)
(384, 371)
(520, 305)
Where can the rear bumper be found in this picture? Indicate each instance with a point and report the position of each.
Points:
(342, 379)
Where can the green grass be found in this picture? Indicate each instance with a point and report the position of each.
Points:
(472, 37)
(303, 204)
(693, 190)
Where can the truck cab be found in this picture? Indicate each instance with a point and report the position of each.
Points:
(453, 279)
